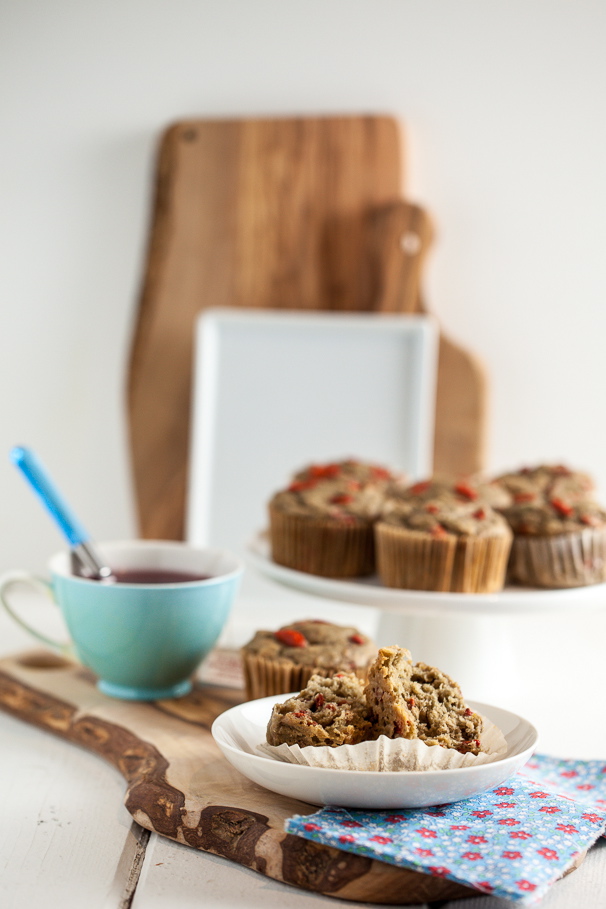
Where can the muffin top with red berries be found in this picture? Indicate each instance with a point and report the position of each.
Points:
(440, 517)
(553, 481)
(535, 514)
(454, 490)
(314, 642)
(343, 490)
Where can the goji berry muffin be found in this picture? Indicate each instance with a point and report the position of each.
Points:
(554, 481)
(413, 700)
(322, 523)
(329, 711)
(408, 716)
(278, 662)
(442, 545)
(557, 543)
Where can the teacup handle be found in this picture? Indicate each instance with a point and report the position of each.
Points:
(14, 578)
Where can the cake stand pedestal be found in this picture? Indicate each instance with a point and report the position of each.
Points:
(472, 637)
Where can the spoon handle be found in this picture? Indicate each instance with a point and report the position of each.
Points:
(41, 483)
(78, 537)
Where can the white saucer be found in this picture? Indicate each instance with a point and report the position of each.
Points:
(370, 592)
(241, 729)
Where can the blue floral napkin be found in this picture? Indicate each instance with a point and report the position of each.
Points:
(513, 841)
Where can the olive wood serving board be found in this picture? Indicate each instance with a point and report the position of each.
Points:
(272, 213)
(179, 785)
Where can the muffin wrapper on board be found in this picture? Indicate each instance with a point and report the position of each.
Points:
(327, 547)
(413, 560)
(391, 755)
(264, 677)
(566, 560)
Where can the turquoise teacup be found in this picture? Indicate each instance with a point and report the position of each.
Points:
(144, 635)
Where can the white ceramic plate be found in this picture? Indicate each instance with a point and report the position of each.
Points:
(370, 592)
(240, 730)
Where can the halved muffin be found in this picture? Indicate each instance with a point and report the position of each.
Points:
(414, 700)
(329, 711)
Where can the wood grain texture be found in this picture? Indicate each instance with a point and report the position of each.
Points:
(400, 235)
(263, 213)
(290, 213)
(180, 786)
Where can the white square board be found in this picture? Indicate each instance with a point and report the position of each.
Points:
(277, 390)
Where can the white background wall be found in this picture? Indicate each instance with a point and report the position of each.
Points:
(503, 107)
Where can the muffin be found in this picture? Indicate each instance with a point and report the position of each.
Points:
(278, 662)
(442, 545)
(550, 480)
(557, 542)
(322, 523)
(329, 711)
(407, 717)
(413, 700)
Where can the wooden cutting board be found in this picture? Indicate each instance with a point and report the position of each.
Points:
(179, 785)
(399, 237)
(269, 213)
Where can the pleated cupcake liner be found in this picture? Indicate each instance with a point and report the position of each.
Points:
(328, 547)
(414, 560)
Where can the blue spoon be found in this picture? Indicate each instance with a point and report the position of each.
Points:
(89, 562)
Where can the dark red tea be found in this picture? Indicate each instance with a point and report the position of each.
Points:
(156, 576)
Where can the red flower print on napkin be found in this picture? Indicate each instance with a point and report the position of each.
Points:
(548, 853)
(438, 871)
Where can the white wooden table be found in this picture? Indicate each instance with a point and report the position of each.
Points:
(67, 841)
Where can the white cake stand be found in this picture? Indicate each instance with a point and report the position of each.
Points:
(470, 636)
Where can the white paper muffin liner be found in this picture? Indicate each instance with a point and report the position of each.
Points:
(391, 755)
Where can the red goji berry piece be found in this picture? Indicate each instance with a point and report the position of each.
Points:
(464, 489)
(379, 473)
(356, 639)
(562, 507)
(521, 497)
(480, 514)
(324, 470)
(341, 498)
(299, 485)
(290, 637)
(418, 488)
